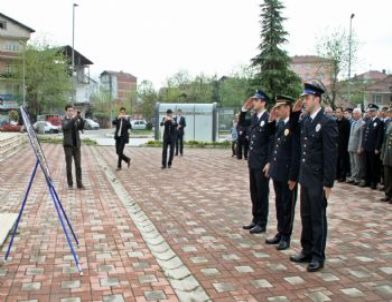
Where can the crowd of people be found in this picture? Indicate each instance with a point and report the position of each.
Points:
(363, 141)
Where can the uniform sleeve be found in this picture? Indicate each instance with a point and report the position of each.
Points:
(329, 141)
(115, 122)
(295, 153)
(184, 123)
(241, 119)
(380, 136)
(360, 136)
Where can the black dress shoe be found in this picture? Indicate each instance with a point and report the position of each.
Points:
(249, 226)
(257, 229)
(81, 187)
(283, 245)
(386, 198)
(314, 266)
(163, 167)
(373, 187)
(70, 187)
(129, 163)
(274, 240)
(300, 258)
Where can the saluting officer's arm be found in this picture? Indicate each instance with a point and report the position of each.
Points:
(329, 141)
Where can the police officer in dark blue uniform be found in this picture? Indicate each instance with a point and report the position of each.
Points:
(372, 140)
(258, 158)
(319, 136)
(284, 169)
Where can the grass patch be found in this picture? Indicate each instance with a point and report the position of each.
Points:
(194, 144)
(58, 140)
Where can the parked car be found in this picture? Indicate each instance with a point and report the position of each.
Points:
(139, 124)
(89, 124)
(46, 127)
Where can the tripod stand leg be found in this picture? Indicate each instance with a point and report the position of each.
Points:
(50, 184)
(52, 194)
(21, 209)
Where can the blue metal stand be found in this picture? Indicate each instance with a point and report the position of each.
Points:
(65, 223)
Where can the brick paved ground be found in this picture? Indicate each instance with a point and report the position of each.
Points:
(198, 206)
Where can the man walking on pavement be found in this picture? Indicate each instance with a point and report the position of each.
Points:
(258, 158)
(319, 136)
(71, 125)
(121, 136)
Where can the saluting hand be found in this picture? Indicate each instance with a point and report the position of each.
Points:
(273, 115)
(298, 105)
(248, 104)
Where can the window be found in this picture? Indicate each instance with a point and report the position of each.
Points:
(377, 98)
(3, 25)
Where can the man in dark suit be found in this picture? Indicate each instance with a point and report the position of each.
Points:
(258, 158)
(121, 136)
(284, 169)
(169, 138)
(343, 163)
(373, 135)
(242, 141)
(71, 125)
(319, 135)
(181, 124)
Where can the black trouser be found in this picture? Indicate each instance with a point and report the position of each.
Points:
(314, 221)
(167, 143)
(343, 165)
(388, 181)
(242, 148)
(73, 152)
(373, 163)
(259, 191)
(180, 144)
(120, 145)
(285, 201)
(234, 147)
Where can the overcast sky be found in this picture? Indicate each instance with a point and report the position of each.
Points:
(153, 39)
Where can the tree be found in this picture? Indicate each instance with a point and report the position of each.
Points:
(48, 81)
(148, 99)
(334, 46)
(272, 63)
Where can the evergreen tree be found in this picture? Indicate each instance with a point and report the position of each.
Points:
(273, 63)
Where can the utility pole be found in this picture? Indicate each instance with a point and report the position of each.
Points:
(73, 54)
(350, 55)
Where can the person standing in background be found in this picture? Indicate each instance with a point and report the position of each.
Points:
(71, 125)
(181, 124)
(354, 148)
(169, 138)
(121, 136)
(343, 167)
(386, 157)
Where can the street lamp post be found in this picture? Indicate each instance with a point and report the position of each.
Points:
(350, 55)
(73, 52)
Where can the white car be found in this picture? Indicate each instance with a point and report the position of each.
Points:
(45, 127)
(139, 124)
(89, 124)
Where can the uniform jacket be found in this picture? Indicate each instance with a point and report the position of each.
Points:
(181, 121)
(386, 155)
(170, 130)
(71, 129)
(284, 164)
(356, 134)
(260, 138)
(125, 125)
(373, 135)
(318, 150)
(343, 135)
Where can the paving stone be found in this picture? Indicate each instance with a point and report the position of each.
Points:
(278, 299)
(34, 271)
(244, 269)
(32, 286)
(147, 279)
(72, 299)
(294, 280)
(224, 287)
(109, 282)
(352, 292)
(387, 270)
(113, 298)
(318, 297)
(154, 295)
(70, 284)
(210, 271)
(261, 283)
(198, 260)
(385, 290)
